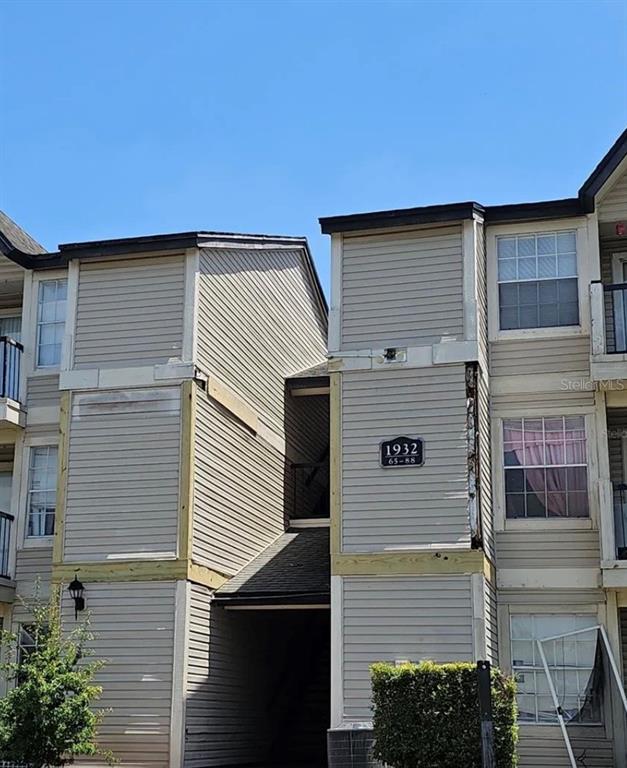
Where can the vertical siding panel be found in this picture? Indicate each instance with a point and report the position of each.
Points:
(258, 323)
(238, 490)
(416, 506)
(43, 391)
(390, 618)
(129, 312)
(133, 627)
(123, 474)
(613, 205)
(402, 287)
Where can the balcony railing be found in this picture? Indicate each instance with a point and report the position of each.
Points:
(620, 520)
(10, 367)
(6, 522)
(615, 312)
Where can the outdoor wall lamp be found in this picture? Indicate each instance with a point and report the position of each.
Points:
(76, 590)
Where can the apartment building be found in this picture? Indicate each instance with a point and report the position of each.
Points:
(163, 425)
(478, 378)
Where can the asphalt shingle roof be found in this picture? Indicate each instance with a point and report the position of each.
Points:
(294, 568)
(15, 237)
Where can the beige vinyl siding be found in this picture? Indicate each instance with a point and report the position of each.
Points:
(133, 627)
(555, 548)
(389, 618)
(543, 403)
(129, 311)
(33, 571)
(543, 746)
(43, 392)
(613, 204)
(402, 288)
(412, 506)
(239, 663)
(238, 490)
(123, 474)
(521, 357)
(482, 295)
(258, 322)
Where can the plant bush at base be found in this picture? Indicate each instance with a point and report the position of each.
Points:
(427, 716)
(46, 719)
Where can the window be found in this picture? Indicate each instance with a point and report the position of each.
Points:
(42, 490)
(572, 661)
(537, 277)
(50, 322)
(11, 327)
(26, 642)
(545, 467)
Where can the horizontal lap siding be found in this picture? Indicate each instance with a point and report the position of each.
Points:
(224, 724)
(544, 747)
(491, 623)
(238, 490)
(391, 618)
(258, 323)
(402, 288)
(548, 549)
(520, 357)
(414, 506)
(33, 571)
(129, 312)
(613, 205)
(123, 474)
(43, 391)
(133, 627)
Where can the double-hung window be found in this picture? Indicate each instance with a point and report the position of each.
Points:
(42, 490)
(572, 661)
(545, 467)
(537, 276)
(51, 306)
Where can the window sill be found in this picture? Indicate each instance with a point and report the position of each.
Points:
(529, 334)
(38, 542)
(549, 524)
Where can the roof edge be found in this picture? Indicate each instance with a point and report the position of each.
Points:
(605, 168)
(399, 217)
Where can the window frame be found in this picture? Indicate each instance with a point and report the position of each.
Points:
(546, 466)
(503, 523)
(25, 541)
(32, 280)
(592, 617)
(580, 227)
(597, 612)
(39, 324)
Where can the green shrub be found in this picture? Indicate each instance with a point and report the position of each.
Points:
(427, 716)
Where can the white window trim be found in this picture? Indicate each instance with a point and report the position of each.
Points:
(29, 321)
(506, 612)
(24, 541)
(580, 225)
(501, 522)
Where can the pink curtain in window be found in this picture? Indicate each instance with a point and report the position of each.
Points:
(532, 455)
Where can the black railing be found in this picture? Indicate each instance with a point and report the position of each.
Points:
(620, 520)
(6, 521)
(310, 489)
(615, 300)
(10, 365)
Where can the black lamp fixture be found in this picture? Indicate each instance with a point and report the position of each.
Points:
(76, 590)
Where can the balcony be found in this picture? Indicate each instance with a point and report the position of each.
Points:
(11, 411)
(608, 308)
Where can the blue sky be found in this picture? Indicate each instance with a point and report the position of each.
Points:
(128, 118)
